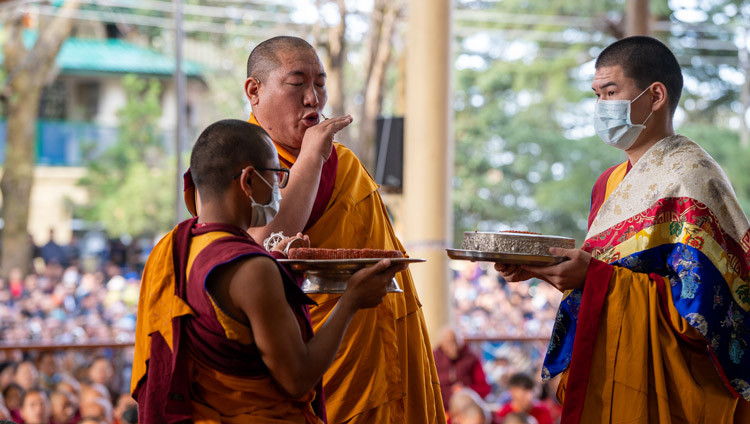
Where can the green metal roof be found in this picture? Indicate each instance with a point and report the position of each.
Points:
(84, 56)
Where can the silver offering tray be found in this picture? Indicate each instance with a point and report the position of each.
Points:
(331, 275)
(505, 258)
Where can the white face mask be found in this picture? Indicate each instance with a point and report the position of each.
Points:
(263, 214)
(612, 122)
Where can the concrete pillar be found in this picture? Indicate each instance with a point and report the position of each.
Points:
(637, 17)
(428, 154)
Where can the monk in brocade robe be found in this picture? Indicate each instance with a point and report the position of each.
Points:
(384, 371)
(653, 327)
(223, 332)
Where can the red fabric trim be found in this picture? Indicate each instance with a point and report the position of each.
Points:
(325, 189)
(673, 209)
(595, 291)
(599, 192)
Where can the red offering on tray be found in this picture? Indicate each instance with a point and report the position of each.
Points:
(310, 253)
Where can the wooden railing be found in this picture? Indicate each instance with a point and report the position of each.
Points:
(506, 339)
(67, 346)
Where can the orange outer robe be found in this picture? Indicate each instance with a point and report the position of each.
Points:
(384, 371)
(639, 360)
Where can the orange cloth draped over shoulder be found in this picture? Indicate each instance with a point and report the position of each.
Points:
(222, 377)
(636, 358)
(384, 371)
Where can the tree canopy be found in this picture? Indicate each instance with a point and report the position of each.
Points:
(526, 153)
(126, 181)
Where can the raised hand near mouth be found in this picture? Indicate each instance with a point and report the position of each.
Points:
(318, 139)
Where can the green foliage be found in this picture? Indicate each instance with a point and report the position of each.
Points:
(130, 183)
(514, 166)
(526, 156)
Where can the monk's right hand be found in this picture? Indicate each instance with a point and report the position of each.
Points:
(513, 273)
(318, 139)
(367, 287)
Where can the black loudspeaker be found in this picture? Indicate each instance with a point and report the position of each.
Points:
(389, 151)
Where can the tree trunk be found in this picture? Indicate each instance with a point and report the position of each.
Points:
(27, 73)
(382, 27)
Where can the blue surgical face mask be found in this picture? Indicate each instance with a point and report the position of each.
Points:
(612, 122)
(263, 214)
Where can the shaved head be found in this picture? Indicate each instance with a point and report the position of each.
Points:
(645, 60)
(223, 149)
(264, 57)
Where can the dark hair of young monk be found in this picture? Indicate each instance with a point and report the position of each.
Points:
(223, 149)
(264, 56)
(521, 380)
(645, 60)
(7, 422)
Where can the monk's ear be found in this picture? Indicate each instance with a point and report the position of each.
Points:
(252, 86)
(659, 96)
(246, 180)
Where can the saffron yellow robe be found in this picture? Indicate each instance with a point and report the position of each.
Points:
(384, 371)
(638, 359)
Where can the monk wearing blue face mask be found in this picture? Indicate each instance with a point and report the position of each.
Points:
(653, 326)
(223, 332)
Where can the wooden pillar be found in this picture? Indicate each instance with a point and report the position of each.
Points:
(428, 154)
(637, 17)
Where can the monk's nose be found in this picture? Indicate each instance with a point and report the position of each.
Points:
(311, 97)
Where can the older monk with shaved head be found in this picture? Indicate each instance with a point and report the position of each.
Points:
(384, 371)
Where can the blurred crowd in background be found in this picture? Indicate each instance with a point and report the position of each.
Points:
(74, 297)
(506, 327)
(66, 299)
(66, 388)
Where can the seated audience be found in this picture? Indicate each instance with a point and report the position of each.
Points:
(124, 403)
(64, 407)
(101, 372)
(26, 375)
(129, 415)
(522, 400)
(7, 369)
(98, 408)
(466, 407)
(35, 407)
(458, 367)
(4, 413)
(48, 366)
(519, 418)
(12, 395)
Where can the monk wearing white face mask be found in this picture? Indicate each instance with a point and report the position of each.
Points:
(653, 327)
(223, 332)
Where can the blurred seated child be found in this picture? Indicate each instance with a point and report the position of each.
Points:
(521, 388)
(466, 407)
